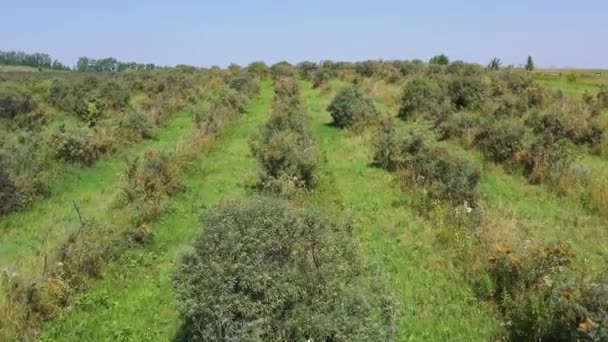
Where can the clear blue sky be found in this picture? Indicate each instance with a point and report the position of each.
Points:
(571, 33)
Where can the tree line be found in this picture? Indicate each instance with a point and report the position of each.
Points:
(35, 60)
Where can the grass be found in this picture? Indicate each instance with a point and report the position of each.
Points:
(436, 301)
(586, 80)
(33, 231)
(134, 301)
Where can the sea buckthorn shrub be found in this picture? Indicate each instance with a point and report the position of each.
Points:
(350, 108)
(299, 276)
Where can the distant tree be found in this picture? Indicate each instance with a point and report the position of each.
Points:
(495, 64)
(529, 64)
(440, 60)
(82, 64)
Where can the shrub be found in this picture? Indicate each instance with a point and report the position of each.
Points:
(320, 77)
(448, 176)
(538, 298)
(288, 158)
(14, 101)
(422, 95)
(286, 89)
(154, 176)
(136, 126)
(267, 271)
(602, 97)
(350, 107)
(282, 70)
(74, 145)
(246, 84)
(460, 125)
(466, 92)
(260, 69)
(307, 69)
(10, 198)
(500, 141)
(114, 96)
(511, 106)
(546, 158)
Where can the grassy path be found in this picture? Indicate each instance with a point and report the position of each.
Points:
(47, 221)
(134, 301)
(437, 303)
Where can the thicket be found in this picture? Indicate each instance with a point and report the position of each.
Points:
(264, 270)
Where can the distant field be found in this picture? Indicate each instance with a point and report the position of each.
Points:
(17, 68)
(585, 79)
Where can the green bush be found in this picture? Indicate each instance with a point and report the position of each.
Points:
(265, 271)
(460, 125)
(448, 177)
(307, 69)
(424, 96)
(246, 84)
(350, 107)
(9, 195)
(539, 298)
(466, 92)
(320, 77)
(75, 145)
(602, 97)
(288, 155)
(282, 70)
(14, 101)
(260, 69)
(114, 96)
(500, 141)
(511, 106)
(136, 126)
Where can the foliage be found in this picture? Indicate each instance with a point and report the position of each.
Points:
(350, 107)
(245, 84)
(297, 277)
(74, 145)
(14, 101)
(440, 60)
(136, 126)
(539, 300)
(500, 141)
(10, 198)
(466, 92)
(320, 77)
(260, 69)
(424, 96)
(307, 69)
(448, 176)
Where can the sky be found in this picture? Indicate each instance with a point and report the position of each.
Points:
(558, 33)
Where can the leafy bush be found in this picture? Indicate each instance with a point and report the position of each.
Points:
(156, 175)
(282, 70)
(539, 300)
(288, 156)
(602, 97)
(460, 125)
(9, 195)
(74, 145)
(500, 141)
(448, 176)
(511, 106)
(136, 126)
(307, 69)
(246, 84)
(260, 69)
(424, 96)
(320, 77)
(114, 96)
(546, 158)
(350, 107)
(266, 271)
(14, 101)
(466, 92)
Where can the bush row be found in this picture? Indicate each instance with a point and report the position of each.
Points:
(285, 148)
